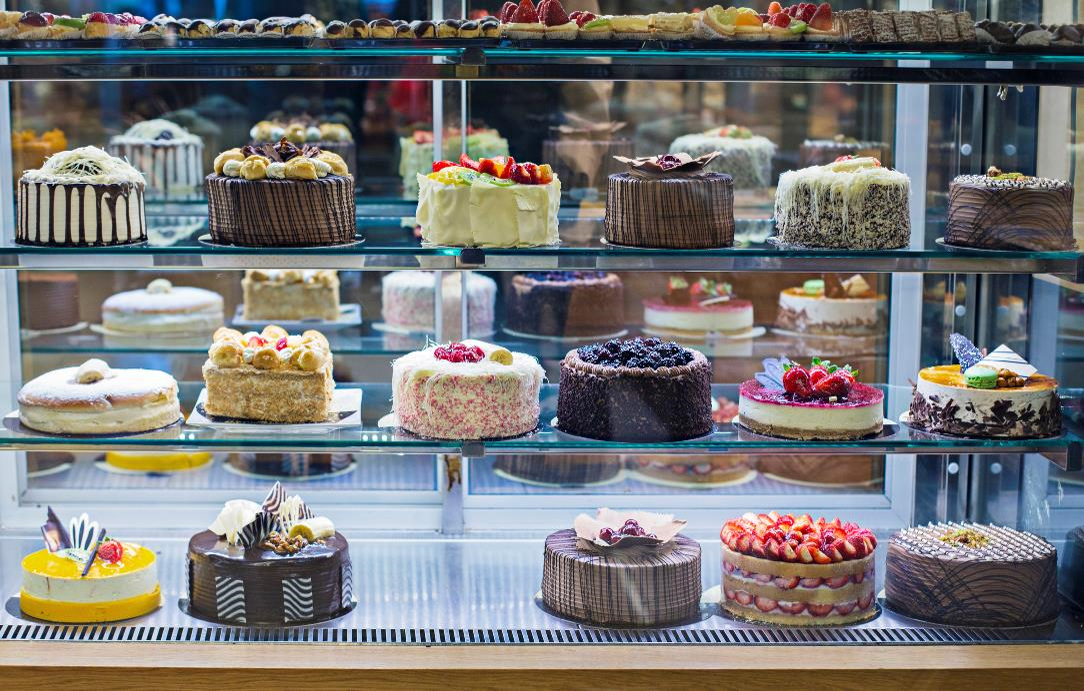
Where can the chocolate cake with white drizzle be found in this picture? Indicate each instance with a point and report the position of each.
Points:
(169, 156)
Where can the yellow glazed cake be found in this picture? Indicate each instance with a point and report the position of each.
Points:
(157, 461)
(121, 583)
(269, 376)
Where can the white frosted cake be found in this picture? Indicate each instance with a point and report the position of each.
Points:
(409, 302)
(169, 156)
(833, 308)
(81, 198)
(416, 153)
(744, 156)
(161, 308)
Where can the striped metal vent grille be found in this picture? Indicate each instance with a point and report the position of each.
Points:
(744, 636)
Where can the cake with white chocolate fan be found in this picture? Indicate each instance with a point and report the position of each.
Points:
(270, 376)
(280, 196)
(698, 308)
(794, 571)
(832, 307)
(161, 308)
(96, 399)
(271, 563)
(623, 568)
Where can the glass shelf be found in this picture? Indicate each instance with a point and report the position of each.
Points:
(481, 59)
(390, 244)
(369, 438)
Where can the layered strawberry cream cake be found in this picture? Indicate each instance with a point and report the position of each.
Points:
(698, 308)
(467, 390)
(821, 402)
(794, 571)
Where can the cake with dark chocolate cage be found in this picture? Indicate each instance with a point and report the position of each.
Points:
(566, 303)
(280, 196)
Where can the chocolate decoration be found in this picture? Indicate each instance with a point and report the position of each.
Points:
(566, 303)
(638, 586)
(671, 213)
(75, 232)
(933, 414)
(1021, 213)
(563, 470)
(1012, 581)
(347, 150)
(234, 585)
(281, 213)
(635, 404)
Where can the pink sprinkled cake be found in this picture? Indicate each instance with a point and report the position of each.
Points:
(468, 390)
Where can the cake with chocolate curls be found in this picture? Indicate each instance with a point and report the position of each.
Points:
(280, 195)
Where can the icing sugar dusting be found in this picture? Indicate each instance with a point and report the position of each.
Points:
(60, 387)
(179, 299)
(87, 164)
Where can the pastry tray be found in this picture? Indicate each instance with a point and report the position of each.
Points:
(346, 407)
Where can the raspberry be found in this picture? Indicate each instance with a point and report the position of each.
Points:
(583, 18)
(111, 551)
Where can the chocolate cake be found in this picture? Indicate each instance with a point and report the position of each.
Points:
(638, 390)
(48, 300)
(670, 202)
(280, 196)
(566, 303)
(565, 470)
(635, 586)
(1009, 211)
(290, 464)
(967, 574)
(835, 471)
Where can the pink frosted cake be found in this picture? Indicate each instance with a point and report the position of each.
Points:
(468, 390)
(697, 309)
(823, 402)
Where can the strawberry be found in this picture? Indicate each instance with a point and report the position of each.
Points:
(785, 583)
(858, 577)
(489, 166)
(834, 385)
(845, 608)
(763, 578)
(816, 373)
(775, 8)
(583, 18)
(780, 20)
(820, 557)
(822, 18)
(771, 549)
(811, 582)
(281, 343)
(757, 549)
(788, 552)
(820, 610)
(796, 382)
(532, 170)
(111, 551)
(468, 162)
(257, 342)
(552, 13)
(866, 600)
(792, 607)
(525, 13)
(521, 174)
(745, 543)
(728, 593)
(506, 12)
(441, 165)
(743, 598)
(837, 581)
(506, 167)
(765, 604)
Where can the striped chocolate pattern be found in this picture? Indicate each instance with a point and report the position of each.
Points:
(168, 166)
(1010, 581)
(638, 586)
(1026, 213)
(671, 213)
(81, 224)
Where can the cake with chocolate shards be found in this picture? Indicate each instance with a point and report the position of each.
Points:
(83, 576)
(670, 202)
(622, 568)
(999, 395)
(280, 195)
(270, 564)
(693, 310)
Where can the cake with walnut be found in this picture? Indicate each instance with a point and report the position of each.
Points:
(269, 376)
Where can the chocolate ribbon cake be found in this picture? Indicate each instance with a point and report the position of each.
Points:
(968, 574)
(1010, 211)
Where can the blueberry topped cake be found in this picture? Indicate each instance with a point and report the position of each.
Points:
(636, 390)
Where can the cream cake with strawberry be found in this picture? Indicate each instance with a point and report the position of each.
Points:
(467, 390)
(821, 402)
(794, 571)
(82, 576)
(695, 309)
(493, 202)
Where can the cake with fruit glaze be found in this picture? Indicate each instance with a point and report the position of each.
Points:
(1010, 211)
(821, 402)
(81, 198)
(489, 203)
(561, 470)
(97, 399)
(83, 576)
(417, 152)
(622, 568)
(969, 574)
(566, 304)
(162, 308)
(157, 461)
(290, 294)
(408, 302)
(280, 196)
(269, 376)
(670, 202)
(693, 310)
(853, 203)
(794, 571)
(742, 155)
(169, 156)
(467, 390)
(996, 396)
(635, 390)
(833, 307)
(267, 564)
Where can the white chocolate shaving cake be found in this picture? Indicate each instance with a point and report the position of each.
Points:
(162, 307)
(96, 399)
(291, 294)
(269, 376)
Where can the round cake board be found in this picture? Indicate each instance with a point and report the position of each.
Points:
(206, 241)
(55, 470)
(889, 428)
(556, 427)
(705, 337)
(905, 418)
(384, 327)
(748, 477)
(1042, 630)
(240, 472)
(504, 475)
(184, 605)
(564, 339)
(988, 250)
(716, 593)
(178, 338)
(707, 611)
(11, 606)
(619, 246)
(35, 333)
(12, 422)
(109, 468)
(391, 422)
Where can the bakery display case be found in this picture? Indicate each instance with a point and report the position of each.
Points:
(454, 327)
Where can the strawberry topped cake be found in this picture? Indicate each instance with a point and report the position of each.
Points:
(821, 402)
(794, 571)
(698, 308)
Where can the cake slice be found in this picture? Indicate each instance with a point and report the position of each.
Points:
(291, 295)
(270, 376)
